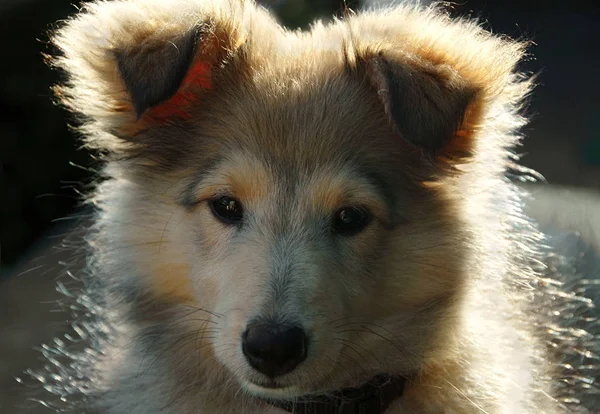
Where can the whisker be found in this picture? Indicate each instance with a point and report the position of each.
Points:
(216, 314)
(350, 345)
(466, 397)
(162, 236)
(426, 248)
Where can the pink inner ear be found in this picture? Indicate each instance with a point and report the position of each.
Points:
(198, 75)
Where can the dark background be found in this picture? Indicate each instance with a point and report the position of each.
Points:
(41, 165)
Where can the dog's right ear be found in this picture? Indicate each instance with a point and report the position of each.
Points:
(153, 74)
(132, 65)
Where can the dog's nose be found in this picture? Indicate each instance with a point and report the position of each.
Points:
(274, 349)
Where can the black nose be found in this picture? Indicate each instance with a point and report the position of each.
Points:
(274, 349)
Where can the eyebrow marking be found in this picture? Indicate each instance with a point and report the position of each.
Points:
(238, 175)
(188, 197)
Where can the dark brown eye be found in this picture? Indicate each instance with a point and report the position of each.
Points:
(227, 209)
(349, 221)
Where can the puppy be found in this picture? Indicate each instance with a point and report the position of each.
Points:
(309, 222)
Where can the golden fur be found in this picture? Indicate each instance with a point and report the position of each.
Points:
(296, 125)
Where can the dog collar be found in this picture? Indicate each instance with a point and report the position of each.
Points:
(372, 398)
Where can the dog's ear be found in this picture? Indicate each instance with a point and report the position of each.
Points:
(450, 89)
(428, 105)
(132, 65)
(153, 73)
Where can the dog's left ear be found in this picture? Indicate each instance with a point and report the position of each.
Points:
(426, 103)
(429, 105)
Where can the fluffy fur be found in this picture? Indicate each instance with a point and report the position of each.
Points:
(402, 111)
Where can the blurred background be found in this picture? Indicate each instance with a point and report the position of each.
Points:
(42, 169)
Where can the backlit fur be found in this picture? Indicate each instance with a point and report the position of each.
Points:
(441, 285)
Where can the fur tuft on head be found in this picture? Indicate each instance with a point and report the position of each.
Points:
(132, 66)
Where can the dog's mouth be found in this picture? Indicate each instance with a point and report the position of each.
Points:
(271, 385)
(272, 389)
(372, 397)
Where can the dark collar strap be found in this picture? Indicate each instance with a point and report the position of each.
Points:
(372, 398)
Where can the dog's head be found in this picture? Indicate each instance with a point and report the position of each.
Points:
(303, 189)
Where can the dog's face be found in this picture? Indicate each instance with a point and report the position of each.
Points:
(304, 228)
(324, 261)
(294, 191)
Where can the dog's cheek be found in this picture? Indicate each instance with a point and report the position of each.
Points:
(157, 244)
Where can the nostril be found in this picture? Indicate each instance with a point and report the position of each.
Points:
(274, 349)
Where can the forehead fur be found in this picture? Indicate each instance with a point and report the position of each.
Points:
(309, 117)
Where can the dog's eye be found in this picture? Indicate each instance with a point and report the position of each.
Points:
(227, 209)
(351, 220)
